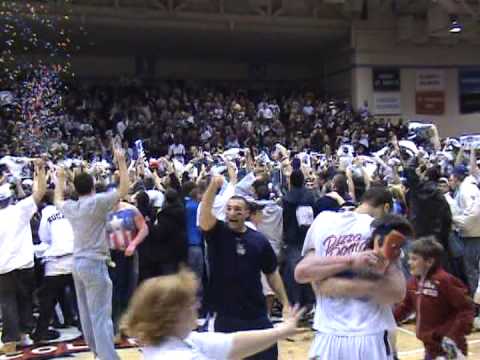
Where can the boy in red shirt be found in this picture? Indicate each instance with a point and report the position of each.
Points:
(444, 310)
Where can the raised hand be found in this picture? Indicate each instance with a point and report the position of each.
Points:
(119, 155)
(218, 181)
(232, 173)
(289, 326)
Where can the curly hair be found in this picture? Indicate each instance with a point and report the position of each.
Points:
(155, 306)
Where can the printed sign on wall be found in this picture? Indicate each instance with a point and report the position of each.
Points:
(430, 94)
(386, 79)
(469, 90)
(387, 104)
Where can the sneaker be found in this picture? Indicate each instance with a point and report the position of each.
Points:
(9, 348)
(50, 335)
(26, 340)
(411, 319)
(450, 348)
(71, 323)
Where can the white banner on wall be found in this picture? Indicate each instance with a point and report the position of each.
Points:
(471, 141)
(387, 104)
(430, 80)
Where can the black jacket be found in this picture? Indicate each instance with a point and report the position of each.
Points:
(429, 211)
(167, 244)
(293, 233)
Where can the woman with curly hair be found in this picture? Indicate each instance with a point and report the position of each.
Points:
(163, 314)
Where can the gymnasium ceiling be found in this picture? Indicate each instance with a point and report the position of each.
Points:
(293, 30)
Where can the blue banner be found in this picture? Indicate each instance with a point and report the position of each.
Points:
(469, 89)
(386, 79)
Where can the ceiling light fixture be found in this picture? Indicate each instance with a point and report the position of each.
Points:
(455, 26)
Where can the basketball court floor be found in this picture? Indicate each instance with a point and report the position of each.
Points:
(409, 347)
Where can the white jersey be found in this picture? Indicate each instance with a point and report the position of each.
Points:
(342, 234)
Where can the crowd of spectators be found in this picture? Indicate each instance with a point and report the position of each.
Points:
(289, 156)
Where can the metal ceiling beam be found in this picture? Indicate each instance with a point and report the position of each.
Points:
(151, 18)
(147, 13)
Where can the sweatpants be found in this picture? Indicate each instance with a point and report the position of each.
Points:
(94, 295)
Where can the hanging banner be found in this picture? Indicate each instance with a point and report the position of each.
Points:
(430, 92)
(430, 80)
(430, 102)
(386, 79)
(387, 104)
(469, 89)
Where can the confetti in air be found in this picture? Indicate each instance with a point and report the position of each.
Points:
(35, 68)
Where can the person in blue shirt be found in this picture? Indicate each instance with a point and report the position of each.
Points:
(196, 259)
(237, 257)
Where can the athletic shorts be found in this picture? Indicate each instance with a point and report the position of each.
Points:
(333, 347)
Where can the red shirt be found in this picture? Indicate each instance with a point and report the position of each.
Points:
(443, 308)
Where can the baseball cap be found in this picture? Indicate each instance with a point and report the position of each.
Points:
(460, 170)
(443, 180)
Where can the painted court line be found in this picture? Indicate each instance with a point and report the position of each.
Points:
(407, 331)
(420, 351)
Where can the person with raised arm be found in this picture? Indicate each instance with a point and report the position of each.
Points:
(88, 217)
(238, 255)
(17, 262)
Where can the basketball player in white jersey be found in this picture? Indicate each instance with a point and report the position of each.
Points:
(353, 314)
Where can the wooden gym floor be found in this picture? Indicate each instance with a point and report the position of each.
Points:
(408, 346)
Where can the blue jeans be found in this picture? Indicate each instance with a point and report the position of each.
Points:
(472, 258)
(94, 295)
(196, 262)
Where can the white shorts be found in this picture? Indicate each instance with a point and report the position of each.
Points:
(333, 347)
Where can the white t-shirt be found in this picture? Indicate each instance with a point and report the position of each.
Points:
(197, 346)
(16, 245)
(156, 197)
(56, 231)
(176, 150)
(59, 266)
(341, 234)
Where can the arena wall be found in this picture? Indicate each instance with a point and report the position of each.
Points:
(381, 48)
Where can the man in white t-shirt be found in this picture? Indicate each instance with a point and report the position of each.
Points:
(56, 235)
(353, 315)
(16, 264)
